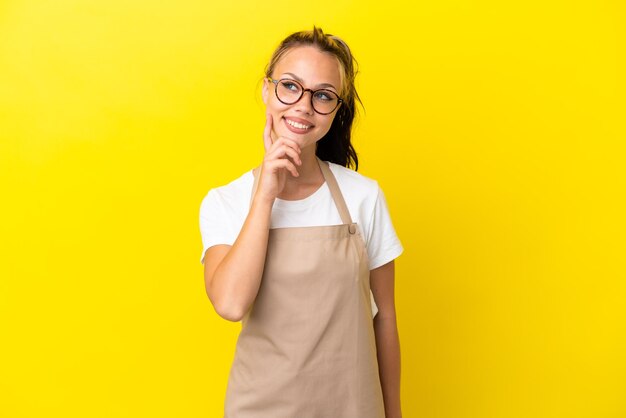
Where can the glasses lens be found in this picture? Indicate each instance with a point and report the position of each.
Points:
(325, 101)
(289, 91)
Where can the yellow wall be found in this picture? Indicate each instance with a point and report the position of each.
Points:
(496, 130)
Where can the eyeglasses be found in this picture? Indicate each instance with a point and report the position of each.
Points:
(289, 91)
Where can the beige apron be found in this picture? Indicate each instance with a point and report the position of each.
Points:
(307, 347)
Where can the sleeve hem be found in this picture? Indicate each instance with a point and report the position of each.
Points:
(211, 244)
(388, 257)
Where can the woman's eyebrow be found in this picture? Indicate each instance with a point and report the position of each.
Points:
(321, 85)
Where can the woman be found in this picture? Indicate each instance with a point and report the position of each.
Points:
(301, 250)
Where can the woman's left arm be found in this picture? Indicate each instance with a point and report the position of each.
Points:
(387, 339)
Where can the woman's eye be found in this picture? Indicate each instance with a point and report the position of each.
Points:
(323, 96)
(290, 86)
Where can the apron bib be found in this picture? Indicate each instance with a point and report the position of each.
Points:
(307, 347)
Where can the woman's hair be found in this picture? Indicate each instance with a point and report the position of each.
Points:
(335, 146)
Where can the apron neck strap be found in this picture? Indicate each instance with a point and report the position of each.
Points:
(335, 192)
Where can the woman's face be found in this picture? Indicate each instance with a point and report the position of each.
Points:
(314, 69)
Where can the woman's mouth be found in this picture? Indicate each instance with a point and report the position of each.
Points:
(296, 126)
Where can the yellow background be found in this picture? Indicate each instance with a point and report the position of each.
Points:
(495, 128)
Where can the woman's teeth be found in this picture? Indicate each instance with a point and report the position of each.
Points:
(297, 125)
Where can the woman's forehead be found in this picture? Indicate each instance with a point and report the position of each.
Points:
(310, 65)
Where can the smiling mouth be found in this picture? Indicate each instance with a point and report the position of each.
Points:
(297, 125)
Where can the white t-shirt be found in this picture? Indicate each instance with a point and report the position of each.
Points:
(224, 210)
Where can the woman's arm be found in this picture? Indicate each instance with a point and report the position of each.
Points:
(387, 339)
(232, 274)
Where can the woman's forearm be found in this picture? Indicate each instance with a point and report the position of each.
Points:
(388, 353)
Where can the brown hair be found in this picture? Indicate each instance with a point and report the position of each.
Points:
(335, 146)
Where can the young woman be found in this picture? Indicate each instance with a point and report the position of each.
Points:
(301, 249)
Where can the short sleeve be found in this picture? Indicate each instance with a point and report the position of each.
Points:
(383, 244)
(216, 225)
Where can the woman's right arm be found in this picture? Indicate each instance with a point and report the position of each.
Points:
(232, 274)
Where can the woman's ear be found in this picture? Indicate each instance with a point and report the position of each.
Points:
(265, 91)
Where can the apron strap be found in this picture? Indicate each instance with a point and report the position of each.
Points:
(335, 192)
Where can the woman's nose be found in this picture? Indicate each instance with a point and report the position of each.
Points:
(304, 104)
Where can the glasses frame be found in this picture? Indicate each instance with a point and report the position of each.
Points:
(339, 99)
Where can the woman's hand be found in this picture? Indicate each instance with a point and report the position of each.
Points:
(276, 163)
